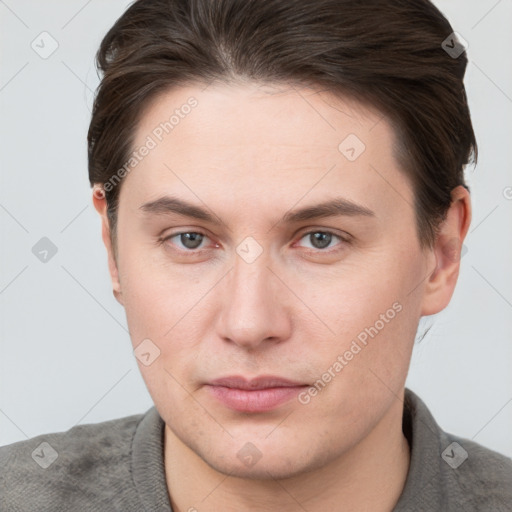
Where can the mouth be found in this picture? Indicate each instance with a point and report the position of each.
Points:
(260, 394)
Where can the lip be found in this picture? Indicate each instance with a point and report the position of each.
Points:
(259, 394)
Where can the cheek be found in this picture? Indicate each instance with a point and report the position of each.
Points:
(160, 319)
(373, 312)
(360, 293)
(153, 297)
(161, 306)
(366, 362)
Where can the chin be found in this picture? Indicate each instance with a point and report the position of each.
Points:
(269, 470)
(271, 463)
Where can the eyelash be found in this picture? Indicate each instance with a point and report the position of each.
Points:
(344, 240)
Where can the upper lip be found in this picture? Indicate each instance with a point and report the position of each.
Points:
(262, 382)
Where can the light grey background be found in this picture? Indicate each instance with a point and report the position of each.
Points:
(65, 354)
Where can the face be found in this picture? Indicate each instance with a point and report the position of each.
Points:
(240, 273)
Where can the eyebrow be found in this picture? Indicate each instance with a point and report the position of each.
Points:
(334, 207)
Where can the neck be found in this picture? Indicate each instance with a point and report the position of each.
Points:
(370, 476)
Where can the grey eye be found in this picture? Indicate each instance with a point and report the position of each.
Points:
(189, 239)
(320, 239)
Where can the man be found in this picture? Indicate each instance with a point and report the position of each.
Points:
(282, 199)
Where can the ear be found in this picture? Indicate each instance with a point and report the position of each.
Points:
(447, 251)
(100, 204)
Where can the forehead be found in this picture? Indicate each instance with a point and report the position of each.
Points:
(260, 139)
(276, 115)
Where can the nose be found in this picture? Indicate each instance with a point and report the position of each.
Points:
(255, 307)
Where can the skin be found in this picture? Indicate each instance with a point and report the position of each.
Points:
(250, 153)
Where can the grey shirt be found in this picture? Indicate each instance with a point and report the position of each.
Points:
(118, 465)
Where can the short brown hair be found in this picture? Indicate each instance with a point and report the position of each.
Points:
(385, 53)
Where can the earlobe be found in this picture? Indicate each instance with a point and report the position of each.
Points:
(447, 250)
(100, 204)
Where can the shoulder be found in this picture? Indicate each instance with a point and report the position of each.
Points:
(449, 472)
(86, 464)
(484, 476)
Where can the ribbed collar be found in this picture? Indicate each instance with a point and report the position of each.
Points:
(148, 469)
(423, 490)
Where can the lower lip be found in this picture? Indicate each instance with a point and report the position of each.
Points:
(257, 400)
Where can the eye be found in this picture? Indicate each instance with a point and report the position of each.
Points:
(321, 240)
(189, 240)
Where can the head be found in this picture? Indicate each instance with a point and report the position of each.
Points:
(217, 131)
